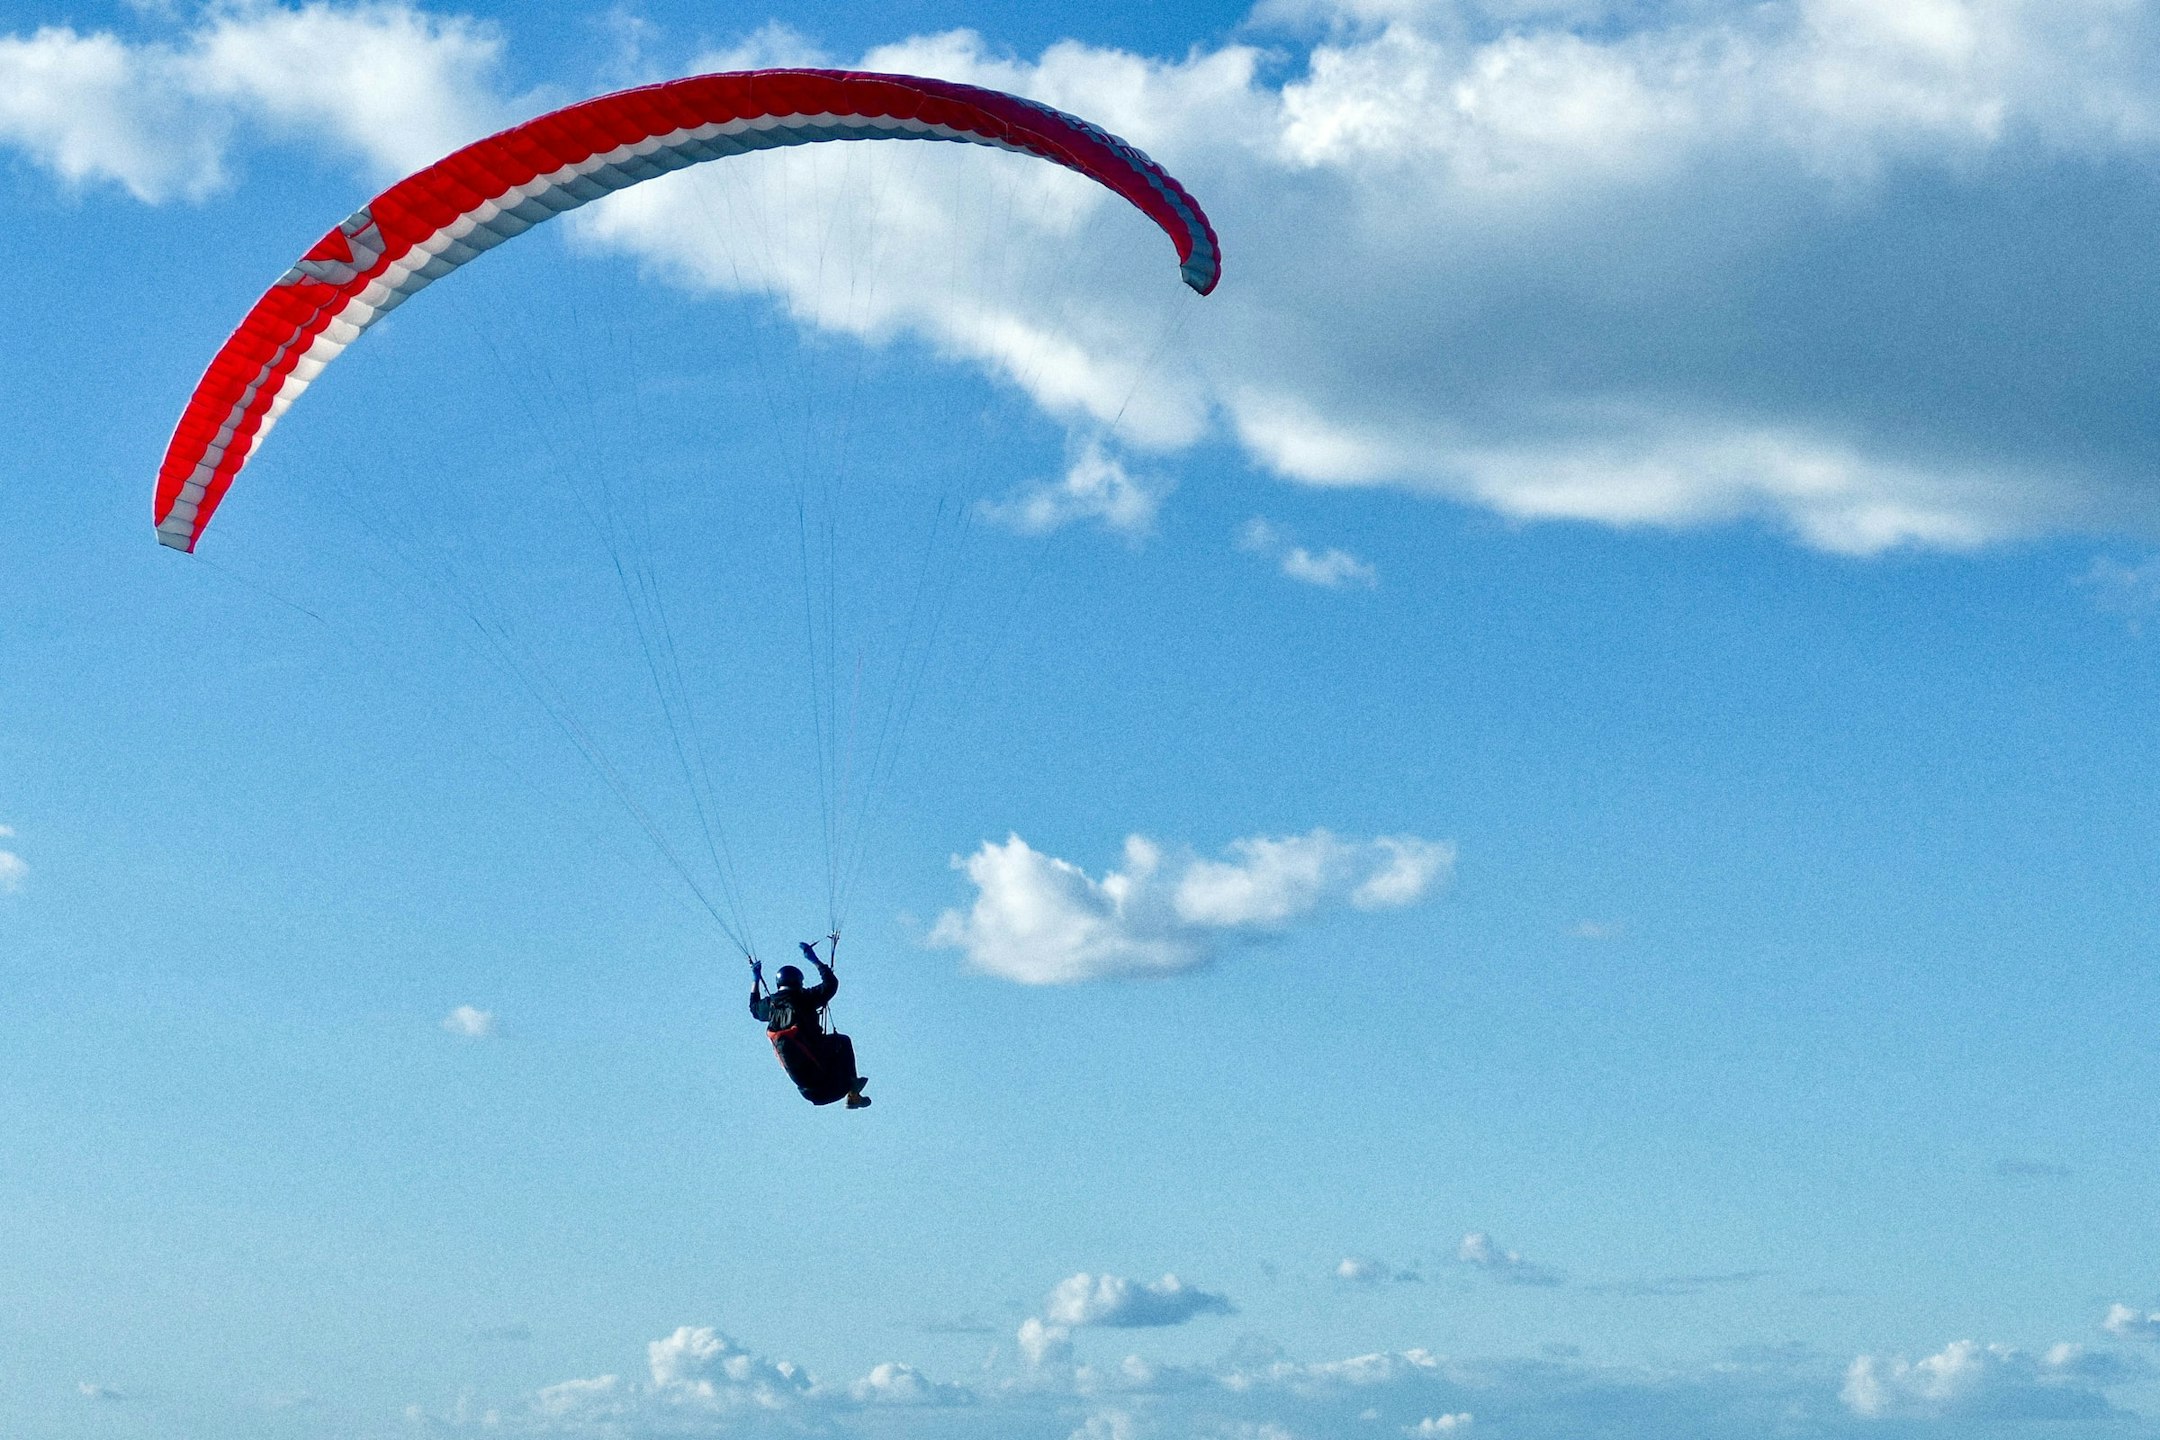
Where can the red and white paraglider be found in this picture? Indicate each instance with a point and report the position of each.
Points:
(431, 222)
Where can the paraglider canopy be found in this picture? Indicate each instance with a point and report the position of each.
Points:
(431, 222)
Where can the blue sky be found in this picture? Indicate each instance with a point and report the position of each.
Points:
(1534, 820)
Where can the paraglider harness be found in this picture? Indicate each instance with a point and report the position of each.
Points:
(820, 1063)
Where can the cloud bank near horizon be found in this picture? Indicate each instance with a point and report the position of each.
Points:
(1874, 276)
(699, 1382)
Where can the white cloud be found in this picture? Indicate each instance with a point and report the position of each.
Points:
(703, 1384)
(92, 1391)
(1479, 1251)
(1499, 264)
(1044, 921)
(998, 263)
(469, 1022)
(386, 83)
(1110, 1425)
(2132, 1324)
(91, 109)
(699, 1382)
(1412, 868)
(583, 1399)
(1114, 1301)
(1967, 1378)
(1331, 569)
(699, 1363)
(1096, 487)
(893, 1383)
(1598, 929)
(1044, 1346)
(1358, 1372)
(1364, 1270)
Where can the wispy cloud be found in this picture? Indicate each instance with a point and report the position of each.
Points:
(2131, 591)
(957, 1325)
(1665, 1285)
(473, 1024)
(1331, 569)
(1096, 488)
(2015, 1169)
(13, 868)
(1044, 921)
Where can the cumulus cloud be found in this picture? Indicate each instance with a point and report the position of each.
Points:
(1364, 1270)
(2132, 1324)
(473, 1024)
(1480, 1251)
(1967, 1378)
(1498, 259)
(1044, 921)
(698, 1381)
(1433, 1425)
(696, 1360)
(894, 1383)
(13, 868)
(1114, 1301)
(1096, 488)
(1331, 569)
(388, 84)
